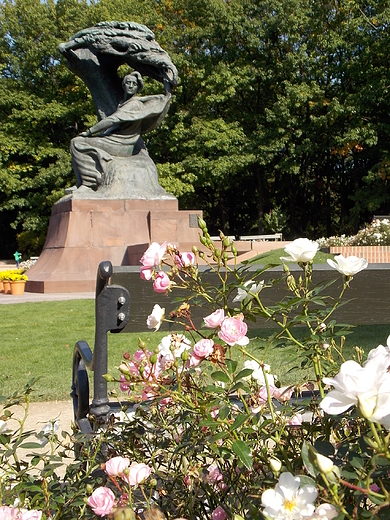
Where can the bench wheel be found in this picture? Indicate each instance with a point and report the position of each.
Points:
(80, 390)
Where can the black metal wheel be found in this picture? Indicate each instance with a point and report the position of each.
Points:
(80, 390)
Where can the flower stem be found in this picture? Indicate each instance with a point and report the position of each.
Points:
(318, 372)
(269, 397)
(375, 434)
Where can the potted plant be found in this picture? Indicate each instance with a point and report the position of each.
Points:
(17, 280)
(6, 283)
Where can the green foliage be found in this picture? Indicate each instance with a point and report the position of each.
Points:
(281, 104)
(41, 104)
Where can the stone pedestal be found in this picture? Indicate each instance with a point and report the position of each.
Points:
(82, 233)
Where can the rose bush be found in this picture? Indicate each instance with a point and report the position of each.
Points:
(206, 429)
(376, 233)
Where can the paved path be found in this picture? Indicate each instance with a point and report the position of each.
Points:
(39, 297)
(44, 297)
(40, 414)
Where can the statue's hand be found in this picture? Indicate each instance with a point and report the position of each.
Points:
(167, 86)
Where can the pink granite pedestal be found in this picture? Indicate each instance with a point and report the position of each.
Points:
(82, 233)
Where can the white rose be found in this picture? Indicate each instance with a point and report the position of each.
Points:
(348, 266)
(253, 289)
(156, 317)
(301, 250)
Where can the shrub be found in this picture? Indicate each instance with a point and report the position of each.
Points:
(375, 234)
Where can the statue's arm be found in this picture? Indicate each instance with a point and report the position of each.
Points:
(114, 120)
(102, 125)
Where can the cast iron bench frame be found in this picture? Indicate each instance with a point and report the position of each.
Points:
(112, 313)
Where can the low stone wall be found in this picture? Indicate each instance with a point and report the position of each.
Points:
(374, 254)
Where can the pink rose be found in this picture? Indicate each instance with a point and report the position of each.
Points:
(24, 514)
(138, 356)
(101, 501)
(137, 473)
(146, 273)
(152, 371)
(284, 393)
(219, 514)
(8, 513)
(187, 482)
(154, 254)
(165, 401)
(215, 319)
(214, 413)
(233, 332)
(116, 466)
(263, 393)
(214, 474)
(162, 282)
(185, 259)
(146, 396)
(296, 420)
(124, 384)
(203, 348)
(193, 361)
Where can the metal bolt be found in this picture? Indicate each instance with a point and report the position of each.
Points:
(121, 300)
(121, 316)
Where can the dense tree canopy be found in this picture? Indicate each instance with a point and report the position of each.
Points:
(282, 107)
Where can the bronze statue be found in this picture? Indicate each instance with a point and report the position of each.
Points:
(110, 159)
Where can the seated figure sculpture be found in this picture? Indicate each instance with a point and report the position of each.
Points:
(110, 159)
(118, 135)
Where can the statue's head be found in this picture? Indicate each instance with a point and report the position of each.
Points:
(132, 83)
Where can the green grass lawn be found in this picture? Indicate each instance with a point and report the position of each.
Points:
(37, 341)
(273, 257)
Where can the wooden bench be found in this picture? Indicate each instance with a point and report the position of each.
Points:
(232, 238)
(381, 217)
(112, 312)
(275, 236)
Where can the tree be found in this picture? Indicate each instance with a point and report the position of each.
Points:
(40, 105)
(282, 104)
(296, 78)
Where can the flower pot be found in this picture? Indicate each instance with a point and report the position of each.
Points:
(1, 286)
(18, 287)
(7, 287)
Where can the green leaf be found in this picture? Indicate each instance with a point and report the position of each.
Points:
(240, 386)
(240, 419)
(212, 389)
(324, 448)
(348, 475)
(231, 365)
(224, 411)
(31, 445)
(307, 481)
(356, 461)
(220, 435)
(243, 452)
(220, 376)
(208, 424)
(310, 468)
(243, 373)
